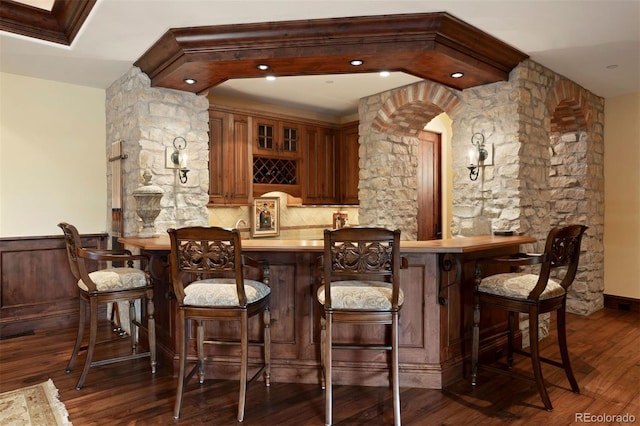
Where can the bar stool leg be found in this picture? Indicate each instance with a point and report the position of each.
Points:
(476, 341)
(395, 370)
(535, 358)
(81, 324)
(183, 363)
(328, 395)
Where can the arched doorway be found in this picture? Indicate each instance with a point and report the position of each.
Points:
(391, 127)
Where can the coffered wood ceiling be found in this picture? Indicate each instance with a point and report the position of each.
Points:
(429, 46)
(59, 25)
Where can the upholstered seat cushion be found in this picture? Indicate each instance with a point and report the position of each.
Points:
(113, 279)
(222, 292)
(365, 295)
(518, 286)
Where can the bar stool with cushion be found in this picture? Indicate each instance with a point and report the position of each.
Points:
(360, 285)
(208, 274)
(533, 294)
(105, 286)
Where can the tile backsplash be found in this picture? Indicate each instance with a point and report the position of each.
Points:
(296, 222)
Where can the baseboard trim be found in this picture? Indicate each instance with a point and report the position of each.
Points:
(621, 303)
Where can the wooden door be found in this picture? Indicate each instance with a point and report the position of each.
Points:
(429, 195)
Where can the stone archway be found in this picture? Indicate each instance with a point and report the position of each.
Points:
(575, 181)
(568, 107)
(390, 123)
(567, 150)
(409, 108)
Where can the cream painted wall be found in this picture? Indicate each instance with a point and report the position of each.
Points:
(622, 196)
(52, 157)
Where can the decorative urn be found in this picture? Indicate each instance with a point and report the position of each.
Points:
(148, 198)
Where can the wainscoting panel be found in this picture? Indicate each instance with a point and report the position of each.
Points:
(37, 289)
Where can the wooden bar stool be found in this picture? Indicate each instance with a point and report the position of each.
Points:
(360, 285)
(105, 286)
(208, 275)
(533, 294)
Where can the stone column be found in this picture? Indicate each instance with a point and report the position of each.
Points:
(148, 120)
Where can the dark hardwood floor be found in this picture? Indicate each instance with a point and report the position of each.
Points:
(605, 350)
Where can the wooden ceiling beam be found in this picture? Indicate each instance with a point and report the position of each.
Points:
(430, 46)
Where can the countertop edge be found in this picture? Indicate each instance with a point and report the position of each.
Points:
(449, 245)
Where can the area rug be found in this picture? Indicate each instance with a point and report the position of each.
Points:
(36, 405)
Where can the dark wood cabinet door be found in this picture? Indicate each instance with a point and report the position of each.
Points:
(229, 172)
(348, 166)
(319, 171)
(289, 139)
(274, 138)
(238, 173)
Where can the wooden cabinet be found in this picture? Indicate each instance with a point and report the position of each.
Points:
(252, 153)
(275, 138)
(319, 166)
(276, 156)
(330, 171)
(229, 162)
(348, 169)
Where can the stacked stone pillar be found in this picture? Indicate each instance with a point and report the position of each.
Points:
(147, 120)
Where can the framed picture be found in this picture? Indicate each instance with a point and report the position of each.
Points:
(340, 220)
(266, 217)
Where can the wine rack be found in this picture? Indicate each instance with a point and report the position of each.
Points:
(275, 171)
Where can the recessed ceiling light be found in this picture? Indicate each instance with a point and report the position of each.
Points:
(271, 77)
(457, 74)
(385, 73)
(356, 62)
(263, 67)
(190, 81)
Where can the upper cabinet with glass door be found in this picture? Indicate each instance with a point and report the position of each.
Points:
(274, 138)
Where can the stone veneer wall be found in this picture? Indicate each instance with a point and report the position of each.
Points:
(147, 120)
(547, 138)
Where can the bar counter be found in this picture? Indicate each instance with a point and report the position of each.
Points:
(435, 320)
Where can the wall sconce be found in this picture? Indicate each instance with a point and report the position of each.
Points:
(177, 158)
(477, 155)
